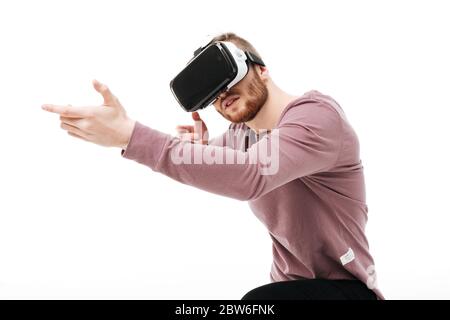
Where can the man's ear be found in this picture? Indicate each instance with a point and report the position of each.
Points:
(262, 72)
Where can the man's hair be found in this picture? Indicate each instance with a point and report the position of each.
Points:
(240, 42)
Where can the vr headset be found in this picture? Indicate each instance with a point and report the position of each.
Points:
(214, 69)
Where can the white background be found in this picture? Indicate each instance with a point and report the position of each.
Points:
(79, 221)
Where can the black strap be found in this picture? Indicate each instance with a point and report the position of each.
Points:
(254, 58)
(196, 52)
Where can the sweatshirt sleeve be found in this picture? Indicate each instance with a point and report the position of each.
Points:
(307, 141)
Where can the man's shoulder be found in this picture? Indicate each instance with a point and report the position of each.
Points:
(312, 99)
(316, 96)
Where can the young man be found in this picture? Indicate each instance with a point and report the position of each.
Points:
(312, 199)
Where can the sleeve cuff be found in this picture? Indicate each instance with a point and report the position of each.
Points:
(145, 145)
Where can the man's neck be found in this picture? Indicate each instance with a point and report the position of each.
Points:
(269, 115)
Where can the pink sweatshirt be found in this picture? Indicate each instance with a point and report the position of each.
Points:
(313, 205)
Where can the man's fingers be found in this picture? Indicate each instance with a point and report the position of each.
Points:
(68, 110)
(69, 120)
(77, 136)
(103, 89)
(74, 130)
(185, 128)
(83, 124)
(189, 136)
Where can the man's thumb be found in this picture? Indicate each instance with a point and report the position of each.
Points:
(202, 124)
(196, 116)
(103, 89)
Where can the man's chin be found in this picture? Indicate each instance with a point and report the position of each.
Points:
(239, 113)
(234, 115)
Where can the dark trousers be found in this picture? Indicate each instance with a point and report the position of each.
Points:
(312, 289)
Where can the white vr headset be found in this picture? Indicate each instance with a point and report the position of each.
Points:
(214, 69)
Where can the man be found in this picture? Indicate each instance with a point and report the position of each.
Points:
(313, 202)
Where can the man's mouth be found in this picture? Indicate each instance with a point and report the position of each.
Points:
(229, 101)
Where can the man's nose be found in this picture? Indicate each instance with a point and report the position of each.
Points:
(223, 94)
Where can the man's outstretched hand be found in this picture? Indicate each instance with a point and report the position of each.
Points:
(107, 125)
